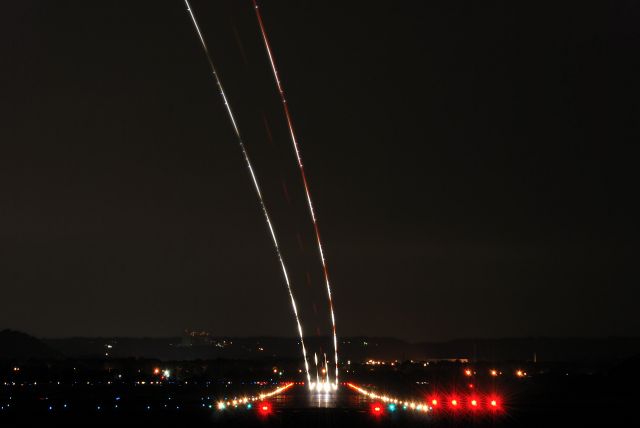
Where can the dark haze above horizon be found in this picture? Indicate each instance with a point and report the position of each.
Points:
(473, 167)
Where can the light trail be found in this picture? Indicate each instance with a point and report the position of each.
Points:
(304, 182)
(315, 359)
(256, 186)
(416, 405)
(223, 404)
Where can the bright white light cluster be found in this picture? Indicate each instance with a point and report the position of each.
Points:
(406, 404)
(250, 399)
(325, 386)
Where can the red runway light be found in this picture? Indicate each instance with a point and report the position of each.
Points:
(264, 408)
(376, 408)
(494, 403)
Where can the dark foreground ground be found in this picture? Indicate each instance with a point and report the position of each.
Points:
(539, 402)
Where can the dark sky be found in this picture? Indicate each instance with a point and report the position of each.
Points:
(473, 165)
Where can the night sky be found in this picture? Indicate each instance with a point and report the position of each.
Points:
(473, 166)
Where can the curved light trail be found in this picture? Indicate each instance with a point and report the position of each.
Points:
(413, 405)
(256, 186)
(304, 182)
(235, 402)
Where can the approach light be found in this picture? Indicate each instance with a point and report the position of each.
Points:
(265, 408)
(494, 403)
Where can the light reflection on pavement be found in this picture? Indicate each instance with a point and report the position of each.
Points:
(300, 397)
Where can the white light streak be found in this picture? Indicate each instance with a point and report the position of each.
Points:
(256, 186)
(296, 147)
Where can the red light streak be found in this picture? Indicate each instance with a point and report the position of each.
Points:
(305, 183)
